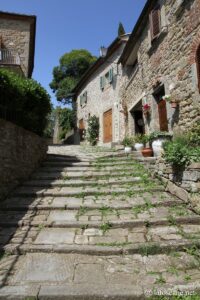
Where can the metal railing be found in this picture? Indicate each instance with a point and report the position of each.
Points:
(9, 57)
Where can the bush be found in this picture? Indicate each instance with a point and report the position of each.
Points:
(24, 102)
(184, 149)
(128, 141)
(93, 130)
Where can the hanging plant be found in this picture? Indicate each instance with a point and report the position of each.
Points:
(146, 109)
(93, 130)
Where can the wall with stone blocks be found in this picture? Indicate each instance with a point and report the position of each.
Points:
(184, 184)
(21, 152)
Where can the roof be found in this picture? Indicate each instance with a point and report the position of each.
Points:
(100, 61)
(32, 20)
(139, 26)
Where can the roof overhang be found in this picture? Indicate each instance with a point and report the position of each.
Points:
(136, 33)
(100, 61)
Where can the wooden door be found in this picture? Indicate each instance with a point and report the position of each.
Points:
(107, 126)
(81, 129)
(162, 112)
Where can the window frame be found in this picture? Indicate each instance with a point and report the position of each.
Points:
(151, 21)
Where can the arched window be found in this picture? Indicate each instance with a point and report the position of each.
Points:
(198, 65)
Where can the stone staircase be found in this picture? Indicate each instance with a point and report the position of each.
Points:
(96, 226)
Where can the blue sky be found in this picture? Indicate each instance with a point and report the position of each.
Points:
(63, 25)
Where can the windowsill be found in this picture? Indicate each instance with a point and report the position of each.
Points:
(157, 39)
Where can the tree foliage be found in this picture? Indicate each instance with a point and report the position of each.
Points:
(71, 68)
(121, 30)
(24, 102)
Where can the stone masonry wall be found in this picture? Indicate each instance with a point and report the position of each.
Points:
(170, 60)
(21, 152)
(99, 101)
(185, 184)
(16, 36)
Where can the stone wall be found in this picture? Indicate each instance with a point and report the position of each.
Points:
(16, 36)
(100, 101)
(21, 152)
(184, 184)
(169, 60)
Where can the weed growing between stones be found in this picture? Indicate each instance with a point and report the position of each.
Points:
(151, 249)
(82, 211)
(105, 227)
(114, 244)
(160, 280)
(171, 220)
(105, 210)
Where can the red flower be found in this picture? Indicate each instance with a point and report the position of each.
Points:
(146, 107)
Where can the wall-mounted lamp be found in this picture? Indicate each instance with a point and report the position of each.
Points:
(103, 51)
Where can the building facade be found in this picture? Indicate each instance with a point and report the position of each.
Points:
(161, 65)
(17, 42)
(98, 93)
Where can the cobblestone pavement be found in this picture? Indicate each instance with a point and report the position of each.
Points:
(92, 224)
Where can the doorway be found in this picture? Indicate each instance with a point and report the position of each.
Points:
(107, 126)
(137, 124)
(162, 108)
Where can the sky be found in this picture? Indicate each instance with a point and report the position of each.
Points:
(64, 25)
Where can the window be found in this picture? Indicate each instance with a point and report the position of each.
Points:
(155, 22)
(83, 99)
(198, 66)
(106, 79)
(162, 109)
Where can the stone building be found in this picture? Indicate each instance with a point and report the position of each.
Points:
(98, 93)
(162, 57)
(17, 42)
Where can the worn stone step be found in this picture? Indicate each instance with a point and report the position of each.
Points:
(66, 182)
(90, 202)
(86, 174)
(60, 158)
(86, 169)
(80, 218)
(86, 191)
(65, 163)
(72, 276)
(108, 240)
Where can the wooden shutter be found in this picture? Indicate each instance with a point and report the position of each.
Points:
(155, 22)
(111, 75)
(198, 66)
(162, 112)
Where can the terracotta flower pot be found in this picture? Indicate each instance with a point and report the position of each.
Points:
(174, 104)
(147, 152)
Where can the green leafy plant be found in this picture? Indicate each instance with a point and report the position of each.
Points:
(24, 102)
(93, 130)
(128, 141)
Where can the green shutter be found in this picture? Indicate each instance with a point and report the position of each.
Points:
(111, 75)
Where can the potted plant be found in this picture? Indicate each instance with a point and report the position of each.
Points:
(146, 109)
(147, 151)
(174, 103)
(138, 142)
(156, 139)
(128, 144)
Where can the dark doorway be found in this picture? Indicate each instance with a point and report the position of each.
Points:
(138, 121)
(162, 108)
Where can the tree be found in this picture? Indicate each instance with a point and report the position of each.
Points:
(65, 76)
(121, 29)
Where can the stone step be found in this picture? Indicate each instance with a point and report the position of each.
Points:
(50, 203)
(86, 174)
(69, 182)
(71, 276)
(65, 164)
(104, 240)
(86, 191)
(88, 218)
(68, 158)
(90, 168)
